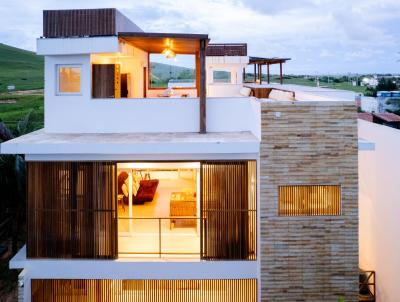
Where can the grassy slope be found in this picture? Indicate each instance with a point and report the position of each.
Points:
(21, 68)
(11, 114)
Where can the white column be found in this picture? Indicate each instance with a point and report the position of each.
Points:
(130, 209)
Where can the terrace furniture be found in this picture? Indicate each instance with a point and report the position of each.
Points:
(182, 204)
(272, 93)
(366, 286)
(145, 193)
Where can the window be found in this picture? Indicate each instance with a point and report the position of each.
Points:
(68, 79)
(309, 200)
(222, 76)
(179, 72)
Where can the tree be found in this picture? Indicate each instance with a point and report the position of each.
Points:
(12, 183)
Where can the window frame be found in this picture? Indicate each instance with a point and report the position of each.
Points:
(340, 211)
(58, 67)
(229, 70)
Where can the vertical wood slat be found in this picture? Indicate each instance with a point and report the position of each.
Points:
(79, 22)
(309, 200)
(229, 210)
(71, 210)
(210, 290)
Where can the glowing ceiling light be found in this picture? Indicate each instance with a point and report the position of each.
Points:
(169, 53)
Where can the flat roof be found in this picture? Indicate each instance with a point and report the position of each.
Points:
(41, 142)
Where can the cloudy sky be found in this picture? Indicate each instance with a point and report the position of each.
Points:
(321, 36)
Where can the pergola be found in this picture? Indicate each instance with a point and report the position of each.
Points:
(258, 62)
(179, 43)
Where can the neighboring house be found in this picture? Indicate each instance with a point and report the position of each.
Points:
(133, 196)
(370, 81)
(379, 206)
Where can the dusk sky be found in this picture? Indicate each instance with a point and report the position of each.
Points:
(338, 36)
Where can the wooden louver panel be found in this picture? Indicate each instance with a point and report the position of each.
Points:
(67, 290)
(79, 23)
(71, 210)
(309, 200)
(229, 213)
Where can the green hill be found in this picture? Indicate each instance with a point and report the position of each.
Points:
(162, 73)
(21, 68)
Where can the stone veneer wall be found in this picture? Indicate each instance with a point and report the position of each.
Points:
(312, 258)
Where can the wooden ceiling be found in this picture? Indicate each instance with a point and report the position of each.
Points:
(157, 42)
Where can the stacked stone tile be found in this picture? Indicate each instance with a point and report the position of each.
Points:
(312, 258)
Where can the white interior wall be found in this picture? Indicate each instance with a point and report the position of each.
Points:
(132, 61)
(379, 208)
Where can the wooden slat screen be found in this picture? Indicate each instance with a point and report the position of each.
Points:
(71, 208)
(229, 210)
(309, 200)
(66, 290)
(79, 22)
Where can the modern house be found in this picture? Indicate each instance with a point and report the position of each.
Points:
(216, 192)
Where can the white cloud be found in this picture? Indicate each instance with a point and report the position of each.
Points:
(325, 36)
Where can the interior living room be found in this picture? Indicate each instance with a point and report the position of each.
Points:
(158, 209)
(149, 66)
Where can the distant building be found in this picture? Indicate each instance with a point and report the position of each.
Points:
(370, 82)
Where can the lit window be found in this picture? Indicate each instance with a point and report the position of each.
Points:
(222, 76)
(69, 79)
(309, 200)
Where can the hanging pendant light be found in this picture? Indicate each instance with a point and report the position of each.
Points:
(169, 53)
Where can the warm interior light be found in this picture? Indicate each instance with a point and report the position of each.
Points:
(169, 53)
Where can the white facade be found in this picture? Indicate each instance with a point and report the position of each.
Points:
(379, 208)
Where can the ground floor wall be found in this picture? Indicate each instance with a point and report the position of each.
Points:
(311, 256)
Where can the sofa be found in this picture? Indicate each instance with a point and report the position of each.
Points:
(147, 190)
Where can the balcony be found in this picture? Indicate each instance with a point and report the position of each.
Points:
(106, 210)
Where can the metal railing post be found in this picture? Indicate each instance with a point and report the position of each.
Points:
(159, 237)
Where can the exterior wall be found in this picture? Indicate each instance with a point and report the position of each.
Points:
(76, 46)
(380, 207)
(308, 258)
(235, 65)
(141, 115)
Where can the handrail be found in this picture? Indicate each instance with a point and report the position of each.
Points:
(160, 251)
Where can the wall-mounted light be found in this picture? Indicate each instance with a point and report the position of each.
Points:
(169, 53)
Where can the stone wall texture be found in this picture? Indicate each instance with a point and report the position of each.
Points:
(312, 258)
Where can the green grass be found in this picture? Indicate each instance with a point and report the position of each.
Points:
(21, 68)
(11, 114)
(307, 82)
